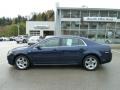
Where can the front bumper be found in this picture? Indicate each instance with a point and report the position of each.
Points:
(10, 59)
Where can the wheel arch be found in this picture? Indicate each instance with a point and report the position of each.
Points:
(92, 54)
(21, 54)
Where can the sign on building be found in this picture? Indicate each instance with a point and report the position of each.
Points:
(100, 19)
(41, 27)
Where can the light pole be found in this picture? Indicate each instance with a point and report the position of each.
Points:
(18, 29)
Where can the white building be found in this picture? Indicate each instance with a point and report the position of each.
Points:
(40, 28)
(99, 24)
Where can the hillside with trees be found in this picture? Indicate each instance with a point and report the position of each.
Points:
(9, 26)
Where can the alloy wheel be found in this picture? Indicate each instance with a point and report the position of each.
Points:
(90, 63)
(22, 62)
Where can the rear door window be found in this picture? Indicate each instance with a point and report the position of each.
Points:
(72, 42)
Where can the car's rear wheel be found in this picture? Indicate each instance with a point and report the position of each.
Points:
(90, 63)
(22, 62)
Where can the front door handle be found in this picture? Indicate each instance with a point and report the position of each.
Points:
(54, 50)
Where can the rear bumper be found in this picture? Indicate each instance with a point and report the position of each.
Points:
(107, 58)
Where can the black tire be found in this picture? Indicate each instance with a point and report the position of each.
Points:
(91, 62)
(18, 42)
(22, 62)
(24, 41)
(107, 42)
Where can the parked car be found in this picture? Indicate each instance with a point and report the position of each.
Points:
(59, 50)
(12, 38)
(1, 39)
(22, 39)
(33, 39)
(4, 39)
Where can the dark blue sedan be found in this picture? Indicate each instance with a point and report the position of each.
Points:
(61, 50)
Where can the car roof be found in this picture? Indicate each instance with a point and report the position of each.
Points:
(64, 36)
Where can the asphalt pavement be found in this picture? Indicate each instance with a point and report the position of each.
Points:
(107, 77)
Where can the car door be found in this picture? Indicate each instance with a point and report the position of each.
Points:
(46, 52)
(72, 50)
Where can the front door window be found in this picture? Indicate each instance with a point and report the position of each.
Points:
(50, 43)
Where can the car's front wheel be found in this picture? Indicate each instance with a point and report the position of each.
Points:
(17, 41)
(22, 62)
(90, 63)
(24, 41)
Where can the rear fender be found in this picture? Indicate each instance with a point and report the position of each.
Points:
(95, 53)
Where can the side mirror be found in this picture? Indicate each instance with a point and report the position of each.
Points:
(38, 47)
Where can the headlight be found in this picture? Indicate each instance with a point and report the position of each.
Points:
(9, 52)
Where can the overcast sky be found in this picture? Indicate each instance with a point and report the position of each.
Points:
(12, 8)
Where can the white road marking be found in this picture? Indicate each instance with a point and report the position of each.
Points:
(116, 51)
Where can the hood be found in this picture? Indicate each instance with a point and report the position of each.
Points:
(21, 48)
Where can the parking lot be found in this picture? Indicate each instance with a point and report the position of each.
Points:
(107, 77)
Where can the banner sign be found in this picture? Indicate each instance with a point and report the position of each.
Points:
(41, 27)
(100, 19)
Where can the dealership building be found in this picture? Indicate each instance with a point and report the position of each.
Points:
(40, 28)
(94, 23)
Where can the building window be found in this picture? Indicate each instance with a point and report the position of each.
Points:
(84, 13)
(75, 25)
(74, 32)
(112, 14)
(110, 26)
(102, 25)
(103, 13)
(94, 13)
(118, 15)
(84, 26)
(34, 33)
(83, 32)
(118, 26)
(65, 13)
(117, 33)
(93, 25)
(65, 32)
(101, 33)
(65, 25)
(75, 14)
(92, 34)
(110, 30)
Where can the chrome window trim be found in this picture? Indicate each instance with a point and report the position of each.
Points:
(83, 42)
